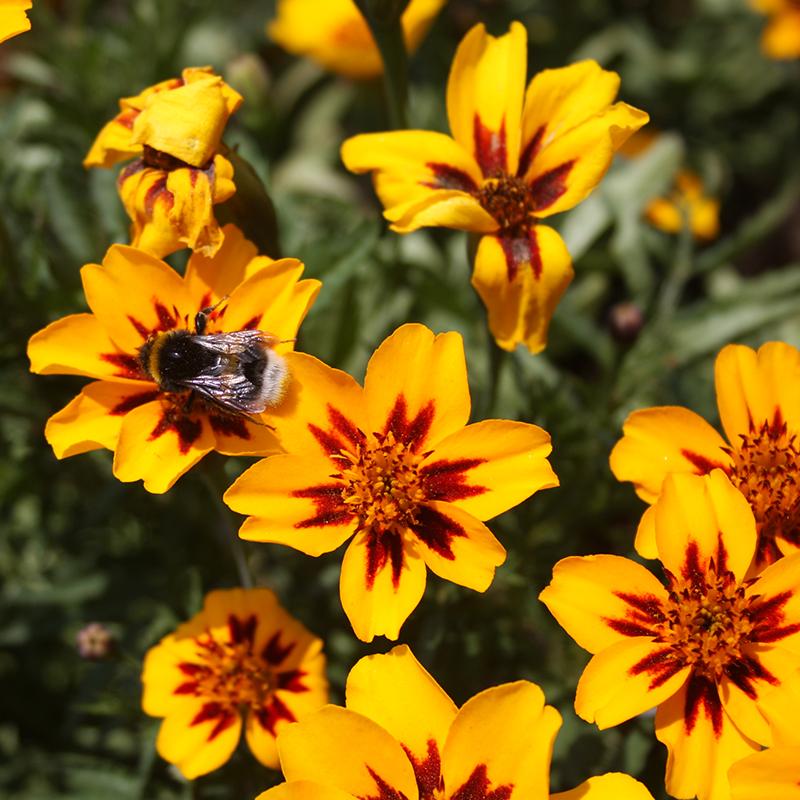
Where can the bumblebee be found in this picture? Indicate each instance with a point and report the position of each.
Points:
(238, 372)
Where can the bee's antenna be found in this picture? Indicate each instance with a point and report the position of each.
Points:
(201, 317)
(287, 341)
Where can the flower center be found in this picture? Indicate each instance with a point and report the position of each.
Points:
(767, 472)
(707, 622)
(230, 673)
(383, 485)
(509, 200)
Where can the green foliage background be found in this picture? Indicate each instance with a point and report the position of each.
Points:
(77, 546)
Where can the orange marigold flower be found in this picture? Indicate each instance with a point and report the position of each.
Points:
(402, 737)
(13, 19)
(395, 466)
(242, 659)
(781, 37)
(773, 774)
(687, 203)
(758, 395)
(174, 130)
(156, 433)
(508, 164)
(706, 649)
(339, 38)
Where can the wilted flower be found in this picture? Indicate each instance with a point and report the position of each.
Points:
(174, 129)
(396, 467)
(401, 736)
(156, 433)
(339, 38)
(241, 661)
(509, 164)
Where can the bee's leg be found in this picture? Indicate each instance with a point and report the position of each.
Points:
(187, 406)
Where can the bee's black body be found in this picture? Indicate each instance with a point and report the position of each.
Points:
(237, 372)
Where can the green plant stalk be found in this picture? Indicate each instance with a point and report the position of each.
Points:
(679, 275)
(383, 18)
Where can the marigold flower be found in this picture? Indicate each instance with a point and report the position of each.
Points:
(781, 37)
(339, 38)
(395, 466)
(508, 164)
(242, 659)
(401, 736)
(174, 129)
(686, 203)
(773, 774)
(13, 19)
(158, 435)
(704, 649)
(758, 396)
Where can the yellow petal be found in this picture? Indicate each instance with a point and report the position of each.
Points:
(13, 19)
(395, 691)
(699, 518)
(445, 208)
(199, 738)
(627, 679)
(489, 467)
(611, 786)
(113, 143)
(484, 97)
(702, 742)
(665, 439)
(416, 386)
(158, 450)
(322, 411)
(645, 542)
(456, 546)
(777, 609)
(348, 752)
(557, 100)
(780, 707)
(187, 122)
(600, 600)
(503, 736)
(769, 775)
(520, 282)
(415, 169)
(192, 214)
(292, 500)
(162, 675)
(79, 345)
(94, 418)
(781, 38)
(239, 436)
(304, 790)
(133, 295)
(754, 388)
(382, 582)
(569, 168)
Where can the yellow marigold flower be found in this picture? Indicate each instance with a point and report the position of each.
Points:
(174, 130)
(687, 202)
(508, 164)
(395, 466)
(758, 396)
(241, 660)
(704, 649)
(158, 434)
(13, 19)
(401, 736)
(770, 775)
(781, 37)
(339, 38)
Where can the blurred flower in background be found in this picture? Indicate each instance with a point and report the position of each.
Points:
(175, 131)
(242, 661)
(13, 19)
(686, 204)
(514, 158)
(781, 37)
(335, 34)
(158, 435)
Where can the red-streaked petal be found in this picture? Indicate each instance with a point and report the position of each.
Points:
(775, 604)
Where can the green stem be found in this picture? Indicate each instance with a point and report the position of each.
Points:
(383, 18)
(216, 481)
(497, 358)
(681, 272)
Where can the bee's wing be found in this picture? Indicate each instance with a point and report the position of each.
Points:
(236, 343)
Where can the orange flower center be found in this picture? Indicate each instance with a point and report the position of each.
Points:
(509, 200)
(383, 485)
(232, 674)
(707, 623)
(767, 472)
